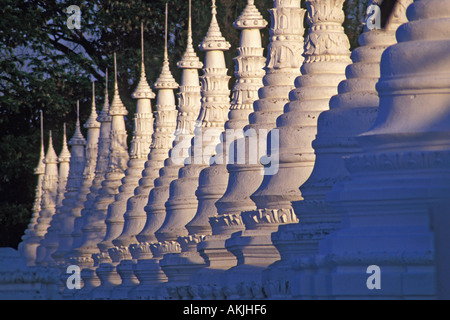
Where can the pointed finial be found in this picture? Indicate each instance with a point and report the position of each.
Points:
(104, 114)
(106, 82)
(64, 135)
(190, 59)
(166, 79)
(214, 7)
(166, 56)
(117, 107)
(77, 125)
(190, 23)
(78, 111)
(92, 121)
(77, 138)
(106, 88)
(143, 90)
(250, 18)
(142, 43)
(93, 92)
(64, 156)
(51, 156)
(42, 129)
(214, 39)
(40, 169)
(116, 86)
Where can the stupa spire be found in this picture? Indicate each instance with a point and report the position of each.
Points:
(51, 156)
(143, 90)
(104, 114)
(41, 166)
(214, 39)
(190, 59)
(77, 137)
(64, 155)
(165, 79)
(117, 107)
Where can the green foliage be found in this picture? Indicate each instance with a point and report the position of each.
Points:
(46, 66)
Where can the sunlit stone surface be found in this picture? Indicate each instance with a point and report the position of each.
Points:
(357, 210)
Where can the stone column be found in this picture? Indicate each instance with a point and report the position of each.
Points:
(48, 202)
(27, 251)
(401, 174)
(249, 73)
(352, 112)
(76, 197)
(182, 205)
(90, 190)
